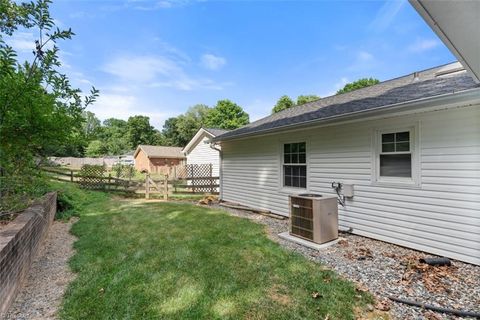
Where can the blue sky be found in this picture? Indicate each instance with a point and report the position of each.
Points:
(157, 58)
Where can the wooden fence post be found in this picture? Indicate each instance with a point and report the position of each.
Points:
(71, 175)
(147, 185)
(192, 172)
(165, 187)
(109, 181)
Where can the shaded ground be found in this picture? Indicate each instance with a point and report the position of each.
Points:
(48, 278)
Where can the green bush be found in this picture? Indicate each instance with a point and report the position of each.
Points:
(17, 191)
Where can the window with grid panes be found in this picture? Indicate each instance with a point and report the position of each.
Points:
(396, 155)
(295, 165)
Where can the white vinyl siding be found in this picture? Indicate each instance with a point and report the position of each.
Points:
(440, 214)
(201, 153)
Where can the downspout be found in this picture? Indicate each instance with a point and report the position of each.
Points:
(213, 145)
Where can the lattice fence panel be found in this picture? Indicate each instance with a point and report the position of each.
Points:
(92, 177)
(197, 178)
(123, 171)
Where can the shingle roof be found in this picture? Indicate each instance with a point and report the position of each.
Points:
(428, 83)
(216, 132)
(161, 151)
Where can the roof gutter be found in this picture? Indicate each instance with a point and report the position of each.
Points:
(471, 96)
(430, 20)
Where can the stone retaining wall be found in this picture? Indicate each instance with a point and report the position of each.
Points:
(19, 242)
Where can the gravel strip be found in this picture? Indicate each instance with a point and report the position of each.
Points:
(389, 270)
(48, 278)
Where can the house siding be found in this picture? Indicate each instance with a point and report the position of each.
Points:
(201, 153)
(441, 215)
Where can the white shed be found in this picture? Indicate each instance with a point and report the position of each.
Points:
(198, 150)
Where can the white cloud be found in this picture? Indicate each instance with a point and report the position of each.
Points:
(387, 14)
(422, 45)
(157, 71)
(364, 56)
(259, 108)
(337, 86)
(212, 62)
(141, 68)
(22, 42)
(363, 61)
(123, 106)
(145, 5)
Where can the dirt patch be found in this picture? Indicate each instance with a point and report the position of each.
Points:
(276, 294)
(48, 278)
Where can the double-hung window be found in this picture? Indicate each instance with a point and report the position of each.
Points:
(295, 165)
(395, 155)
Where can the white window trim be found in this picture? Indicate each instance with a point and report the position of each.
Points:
(414, 181)
(281, 187)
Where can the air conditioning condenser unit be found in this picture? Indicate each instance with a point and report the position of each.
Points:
(314, 217)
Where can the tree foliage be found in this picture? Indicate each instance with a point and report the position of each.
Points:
(285, 102)
(302, 99)
(360, 83)
(40, 111)
(139, 131)
(226, 115)
(178, 131)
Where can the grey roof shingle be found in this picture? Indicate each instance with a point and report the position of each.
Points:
(216, 132)
(384, 94)
(161, 151)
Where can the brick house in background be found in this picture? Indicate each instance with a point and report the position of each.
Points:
(157, 159)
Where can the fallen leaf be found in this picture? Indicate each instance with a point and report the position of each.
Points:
(383, 305)
(430, 315)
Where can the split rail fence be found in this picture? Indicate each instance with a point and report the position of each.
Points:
(184, 179)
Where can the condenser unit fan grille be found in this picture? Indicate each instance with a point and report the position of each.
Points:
(302, 218)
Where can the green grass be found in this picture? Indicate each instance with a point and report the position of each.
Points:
(139, 260)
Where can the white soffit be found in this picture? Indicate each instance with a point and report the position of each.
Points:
(457, 23)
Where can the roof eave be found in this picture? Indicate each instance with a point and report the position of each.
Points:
(430, 20)
(192, 141)
(471, 95)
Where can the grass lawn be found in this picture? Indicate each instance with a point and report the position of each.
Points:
(139, 260)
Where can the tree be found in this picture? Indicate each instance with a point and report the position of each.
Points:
(139, 131)
(113, 136)
(360, 83)
(302, 99)
(285, 102)
(170, 132)
(189, 123)
(226, 115)
(39, 109)
(40, 112)
(95, 148)
(91, 126)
